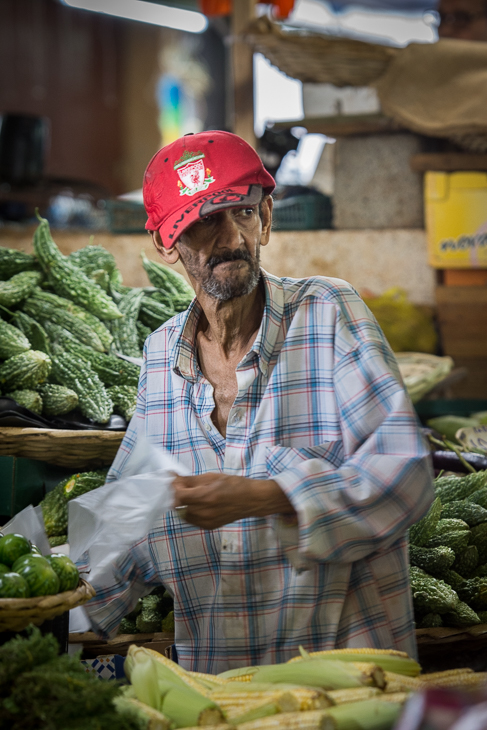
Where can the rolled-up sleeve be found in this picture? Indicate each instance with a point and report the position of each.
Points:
(384, 481)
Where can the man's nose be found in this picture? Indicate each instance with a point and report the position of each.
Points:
(229, 233)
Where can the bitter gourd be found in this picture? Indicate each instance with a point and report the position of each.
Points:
(13, 262)
(143, 333)
(448, 525)
(44, 312)
(68, 280)
(153, 314)
(110, 369)
(471, 513)
(12, 340)
(124, 331)
(466, 562)
(433, 560)
(461, 615)
(420, 533)
(19, 287)
(28, 399)
(457, 540)
(430, 621)
(77, 374)
(450, 489)
(57, 399)
(479, 497)
(94, 259)
(431, 595)
(35, 332)
(25, 371)
(55, 512)
(124, 399)
(452, 578)
(478, 537)
(83, 482)
(162, 277)
(96, 324)
(474, 592)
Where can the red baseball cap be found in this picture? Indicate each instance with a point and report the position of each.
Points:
(198, 175)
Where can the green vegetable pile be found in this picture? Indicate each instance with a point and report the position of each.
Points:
(64, 320)
(152, 614)
(448, 554)
(55, 504)
(41, 690)
(25, 573)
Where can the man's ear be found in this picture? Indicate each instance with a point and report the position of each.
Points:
(266, 212)
(170, 255)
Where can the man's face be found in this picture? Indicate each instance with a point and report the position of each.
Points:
(464, 19)
(221, 252)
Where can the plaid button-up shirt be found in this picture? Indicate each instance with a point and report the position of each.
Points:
(320, 409)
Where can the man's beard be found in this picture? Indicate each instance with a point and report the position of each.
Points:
(227, 288)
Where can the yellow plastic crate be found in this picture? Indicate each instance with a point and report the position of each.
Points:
(456, 219)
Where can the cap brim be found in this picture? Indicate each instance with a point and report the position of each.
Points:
(207, 204)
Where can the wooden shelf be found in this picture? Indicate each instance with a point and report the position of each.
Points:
(346, 125)
(448, 162)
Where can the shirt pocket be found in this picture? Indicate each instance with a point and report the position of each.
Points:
(281, 458)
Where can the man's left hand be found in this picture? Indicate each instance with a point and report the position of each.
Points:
(215, 499)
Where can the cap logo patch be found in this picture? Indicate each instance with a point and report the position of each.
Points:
(193, 177)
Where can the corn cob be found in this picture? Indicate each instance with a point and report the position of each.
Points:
(340, 696)
(373, 675)
(401, 683)
(465, 681)
(431, 677)
(388, 659)
(242, 674)
(313, 720)
(210, 678)
(374, 714)
(323, 673)
(309, 698)
(131, 708)
(254, 712)
(235, 705)
(185, 706)
(172, 672)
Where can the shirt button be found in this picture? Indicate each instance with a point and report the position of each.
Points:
(208, 426)
(237, 416)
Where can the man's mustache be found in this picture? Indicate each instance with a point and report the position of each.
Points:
(237, 255)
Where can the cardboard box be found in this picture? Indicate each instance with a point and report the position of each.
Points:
(462, 319)
(456, 219)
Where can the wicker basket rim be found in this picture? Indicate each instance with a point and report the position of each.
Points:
(82, 593)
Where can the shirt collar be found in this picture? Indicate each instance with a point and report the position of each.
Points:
(185, 356)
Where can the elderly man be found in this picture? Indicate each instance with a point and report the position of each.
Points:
(283, 399)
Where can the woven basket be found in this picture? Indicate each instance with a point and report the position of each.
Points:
(77, 449)
(317, 58)
(17, 613)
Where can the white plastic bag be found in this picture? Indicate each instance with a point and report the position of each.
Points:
(105, 522)
(30, 524)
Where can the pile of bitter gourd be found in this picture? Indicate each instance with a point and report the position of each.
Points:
(448, 554)
(65, 321)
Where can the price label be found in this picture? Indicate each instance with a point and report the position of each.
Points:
(473, 437)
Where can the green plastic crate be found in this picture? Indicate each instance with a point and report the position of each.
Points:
(26, 481)
(427, 409)
(125, 216)
(302, 213)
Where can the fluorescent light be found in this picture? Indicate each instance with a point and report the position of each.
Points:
(145, 12)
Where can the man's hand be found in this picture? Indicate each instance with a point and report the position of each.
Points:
(214, 500)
